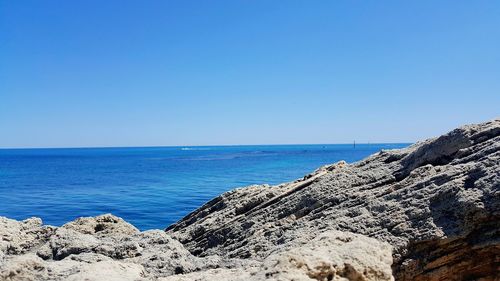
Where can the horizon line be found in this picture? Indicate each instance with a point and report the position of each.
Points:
(209, 145)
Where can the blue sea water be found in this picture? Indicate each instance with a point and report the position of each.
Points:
(150, 187)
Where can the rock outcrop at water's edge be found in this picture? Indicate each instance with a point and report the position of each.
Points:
(427, 212)
(108, 248)
(101, 248)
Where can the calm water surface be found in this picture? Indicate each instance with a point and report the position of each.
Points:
(149, 187)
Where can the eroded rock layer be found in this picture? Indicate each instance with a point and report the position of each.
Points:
(437, 203)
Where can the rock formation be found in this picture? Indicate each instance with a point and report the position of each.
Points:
(427, 212)
(108, 248)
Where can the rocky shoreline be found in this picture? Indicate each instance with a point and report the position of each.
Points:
(427, 212)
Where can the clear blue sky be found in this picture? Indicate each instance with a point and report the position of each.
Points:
(140, 73)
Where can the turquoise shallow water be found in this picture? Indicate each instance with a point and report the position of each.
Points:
(150, 187)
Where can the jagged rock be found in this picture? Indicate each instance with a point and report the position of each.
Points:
(333, 255)
(30, 267)
(20, 237)
(77, 251)
(101, 226)
(431, 210)
(65, 242)
(437, 203)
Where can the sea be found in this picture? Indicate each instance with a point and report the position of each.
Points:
(150, 187)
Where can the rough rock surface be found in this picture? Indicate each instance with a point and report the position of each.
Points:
(333, 255)
(431, 211)
(101, 248)
(108, 248)
(437, 203)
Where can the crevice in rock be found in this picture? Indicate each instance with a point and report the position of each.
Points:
(472, 177)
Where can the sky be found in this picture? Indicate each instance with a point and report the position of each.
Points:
(158, 73)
